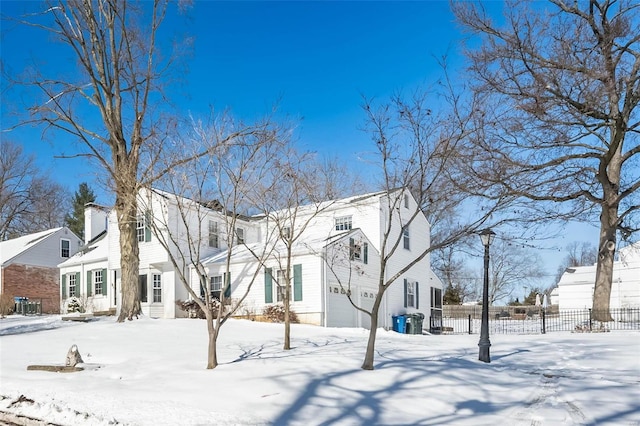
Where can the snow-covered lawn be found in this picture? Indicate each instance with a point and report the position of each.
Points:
(152, 372)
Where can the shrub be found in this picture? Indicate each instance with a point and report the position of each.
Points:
(275, 313)
(6, 304)
(74, 305)
(193, 310)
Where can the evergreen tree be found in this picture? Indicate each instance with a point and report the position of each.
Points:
(75, 220)
(452, 296)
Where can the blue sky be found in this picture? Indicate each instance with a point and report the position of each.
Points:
(314, 59)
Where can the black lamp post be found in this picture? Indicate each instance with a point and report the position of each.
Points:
(486, 237)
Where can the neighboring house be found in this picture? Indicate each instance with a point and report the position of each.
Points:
(576, 286)
(29, 265)
(338, 251)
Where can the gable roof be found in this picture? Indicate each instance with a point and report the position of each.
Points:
(94, 251)
(11, 248)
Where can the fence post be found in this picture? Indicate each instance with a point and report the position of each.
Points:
(470, 330)
(544, 325)
(590, 320)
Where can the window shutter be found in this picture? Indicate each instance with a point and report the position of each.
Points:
(405, 292)
(89, 283)
(366, 253)
(104, 282)
(203, 283)
(227, 285)
(64, 286)
(147, 227)
(297, 283)
(78, 286)
(268, 286)
(417, 286)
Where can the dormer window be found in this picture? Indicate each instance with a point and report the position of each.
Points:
(343, 223)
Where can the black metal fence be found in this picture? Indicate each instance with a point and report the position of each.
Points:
(534, 320)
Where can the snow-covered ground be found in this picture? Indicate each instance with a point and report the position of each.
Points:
(152, 372)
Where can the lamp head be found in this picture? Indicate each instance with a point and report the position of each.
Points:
(486, 236)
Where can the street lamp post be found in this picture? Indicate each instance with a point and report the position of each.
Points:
(486, 237)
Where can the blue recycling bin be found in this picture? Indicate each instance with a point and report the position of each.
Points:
(399, 323)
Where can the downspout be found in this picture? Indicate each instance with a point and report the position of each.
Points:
(323, 275)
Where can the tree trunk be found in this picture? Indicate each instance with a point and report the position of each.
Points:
(287, 321)
(371, 343)
(609, 177)
(127, 211)
(604, 269)
(212, 355)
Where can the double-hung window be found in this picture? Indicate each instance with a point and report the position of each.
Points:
(64, 248)
(411, 294)
(157, 288)
(97, 282)
(72, 285)
(140, 228)
(215, 286)
(213, 234)
(281, 282)
(405, 237)
(240, 235)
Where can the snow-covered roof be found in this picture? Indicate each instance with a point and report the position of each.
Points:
(14, 247)
(301, 246)
(95, 251)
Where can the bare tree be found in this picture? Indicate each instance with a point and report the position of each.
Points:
(578, 254)
(29, 199)
(560, 87)
(206, 197)
(450, 264)
(419, 152)
(299, 190)
(121, 75)
(511, 267)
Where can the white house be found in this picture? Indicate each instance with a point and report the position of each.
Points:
(576, 286)
(28, 265)
(84, 276)
(338, 252)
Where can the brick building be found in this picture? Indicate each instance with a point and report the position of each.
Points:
(28, 266)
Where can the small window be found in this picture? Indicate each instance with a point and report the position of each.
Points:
(213, 234)
(72, 285)
(240, 235)
(97, 282)
(64, 248)
(343, 223)
(157, 288)
(405, 237)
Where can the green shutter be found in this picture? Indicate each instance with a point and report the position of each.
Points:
(417, 294)
(147, 226)
(89, 283)
(366, 253)
(104, 282)
(268, 286)
(203, 284)
(78, 285)
(64, 286)
(297, 283)
(227, 285)
(405, 292)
